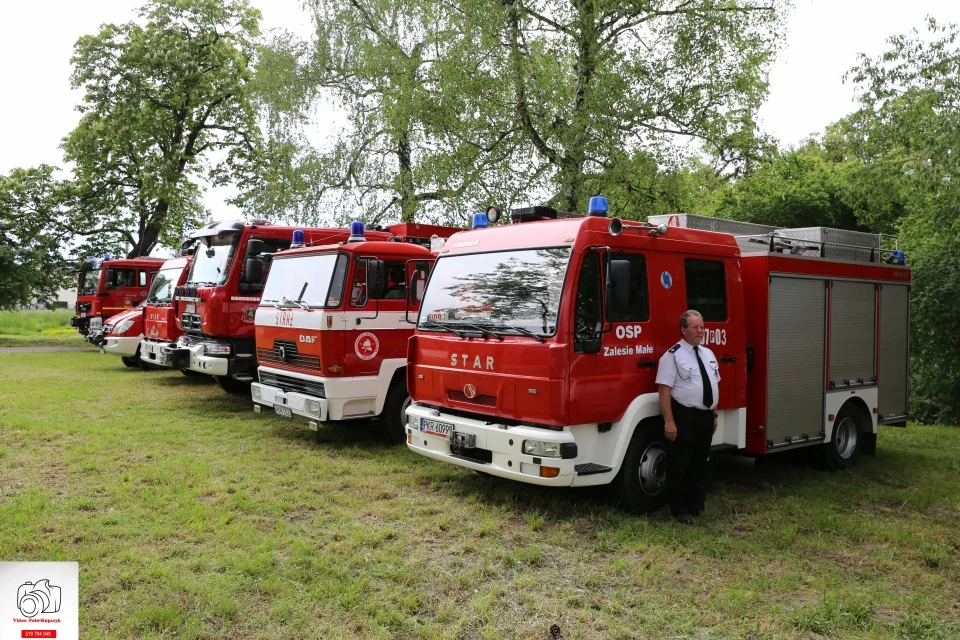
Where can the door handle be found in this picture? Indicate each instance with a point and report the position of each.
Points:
(728, 359)
(647, 363)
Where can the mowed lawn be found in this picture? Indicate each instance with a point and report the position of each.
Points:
(38, 328)
(193, 517)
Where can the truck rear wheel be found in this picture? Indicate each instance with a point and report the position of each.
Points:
(394, 416)
(846, 442)
(642, 480)
(232, 385)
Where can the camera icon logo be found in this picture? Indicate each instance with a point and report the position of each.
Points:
(34, 598)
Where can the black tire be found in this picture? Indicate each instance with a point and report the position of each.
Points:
(190, 373)
(232, 385)
(846, 440)
(393, 418)
(133, 362)
(641, 482)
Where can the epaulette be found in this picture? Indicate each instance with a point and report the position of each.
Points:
(674, 348)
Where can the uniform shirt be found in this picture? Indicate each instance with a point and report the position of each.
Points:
(679, 370)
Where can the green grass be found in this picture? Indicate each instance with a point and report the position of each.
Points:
(38, 328)
(193, 517)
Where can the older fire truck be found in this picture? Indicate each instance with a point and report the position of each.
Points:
(218, 300)
(160, 327)
(333, 325)
(107, 286)
(537, 345)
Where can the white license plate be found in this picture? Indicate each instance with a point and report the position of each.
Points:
(282, 411)
(83, 314)
(191, 308)
(435, 427)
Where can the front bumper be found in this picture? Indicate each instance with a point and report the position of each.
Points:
(299, 404)
(121, 346)
(337, 398)
(210, 365)
(504, 446)
(163, 354)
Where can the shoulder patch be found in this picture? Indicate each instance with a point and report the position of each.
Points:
(674, 348)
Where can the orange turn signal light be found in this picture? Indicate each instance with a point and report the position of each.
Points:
(409, 438)
(329, 321)
(831, 417)
(549, 472)
(876, 410)
(335, 368)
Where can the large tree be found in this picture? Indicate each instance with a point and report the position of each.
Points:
(166, 105)
(595, 82)
(418, 124)
(32, 264)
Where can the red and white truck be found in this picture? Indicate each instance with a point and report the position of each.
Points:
(333, 325)
(537, 345)
(220, 296)
(108, 286)
(160, 326)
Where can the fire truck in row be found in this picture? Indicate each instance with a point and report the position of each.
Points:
(333, 324)
(537, 344)
(108, 286)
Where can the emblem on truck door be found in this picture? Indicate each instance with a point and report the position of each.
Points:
(366, 345)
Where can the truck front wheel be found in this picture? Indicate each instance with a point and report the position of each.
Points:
(394, 416)
(642, 480)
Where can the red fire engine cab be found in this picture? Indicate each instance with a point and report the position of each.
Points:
(537, 345)
(107, 286)
(333, 325)
(223, 287)
(160, 327)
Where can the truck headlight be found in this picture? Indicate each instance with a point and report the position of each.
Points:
(413, 422)
(543, 449)
(216, 349)
(255, 391)
(313, 408)
(121, 328)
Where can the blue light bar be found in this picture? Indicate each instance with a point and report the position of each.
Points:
(598, 207)
(106, 256)
(356, 232)
(480, 221)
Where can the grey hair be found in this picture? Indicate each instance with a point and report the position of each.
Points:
(687, 314)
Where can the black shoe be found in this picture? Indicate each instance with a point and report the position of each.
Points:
(684, 518)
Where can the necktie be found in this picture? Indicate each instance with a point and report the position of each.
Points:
(707, 387)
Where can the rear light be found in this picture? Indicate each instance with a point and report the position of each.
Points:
(549, 472)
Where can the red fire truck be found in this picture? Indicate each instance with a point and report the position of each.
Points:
(333, 325)
(107, 286)
(160, 327)
(223, 287)
(537, 345)
(122, 334)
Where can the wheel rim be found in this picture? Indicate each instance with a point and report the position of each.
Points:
(845, 438)
(403, 413)
(653, 469)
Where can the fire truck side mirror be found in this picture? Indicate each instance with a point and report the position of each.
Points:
(110, 277)
(254, 270)
(376, 277)
(618, 288)
(254, 247)
(415, 290)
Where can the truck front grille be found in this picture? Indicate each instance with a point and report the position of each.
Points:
(289, 383)
(286, 352)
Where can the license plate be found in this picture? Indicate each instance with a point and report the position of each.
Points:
(83, 314)
(435, 427)
(460, 440)
(282, 411)
(191, 308)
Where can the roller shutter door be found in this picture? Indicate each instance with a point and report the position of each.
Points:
(853, 307)
(795, 378)
(894, 350)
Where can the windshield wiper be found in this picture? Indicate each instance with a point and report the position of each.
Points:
(446, 326)
(523, 331)
(483, 329)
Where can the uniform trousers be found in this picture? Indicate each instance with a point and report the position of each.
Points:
(688, 459)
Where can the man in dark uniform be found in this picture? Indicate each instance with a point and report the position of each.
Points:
(688, 380)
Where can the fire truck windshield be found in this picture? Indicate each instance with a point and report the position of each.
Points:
(211, 264)
(88, 282)
(504, 292)
(306, 280)
(162, 290)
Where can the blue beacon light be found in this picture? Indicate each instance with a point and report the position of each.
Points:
(480, 221)
(356, 232)
(297, 241)
(598, 207)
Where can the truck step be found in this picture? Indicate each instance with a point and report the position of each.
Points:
(723, 447)
(589, 468)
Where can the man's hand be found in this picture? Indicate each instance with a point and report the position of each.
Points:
(670, 430)
(714, 424)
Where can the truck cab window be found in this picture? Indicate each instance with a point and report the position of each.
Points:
(270, 246)
(706, 288)
(638, 309)
(587, 319)
(123, 278)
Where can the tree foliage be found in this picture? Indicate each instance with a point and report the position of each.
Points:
(166, 103)
(32, 263)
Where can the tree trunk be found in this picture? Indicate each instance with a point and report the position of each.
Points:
(151, 231)
(408, 198)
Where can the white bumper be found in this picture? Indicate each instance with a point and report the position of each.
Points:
(122, 346)
(157, 353)
(210, 365)
(504, 443)
(343, 398)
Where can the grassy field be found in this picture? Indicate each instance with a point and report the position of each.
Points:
(38, 328)
(193, 517)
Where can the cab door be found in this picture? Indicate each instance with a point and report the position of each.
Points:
(609, 369)
(706, 284)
